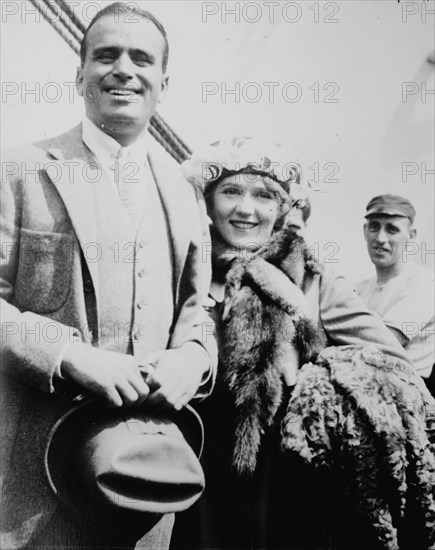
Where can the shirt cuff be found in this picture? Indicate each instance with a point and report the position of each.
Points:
(203, 388)
(58, 367)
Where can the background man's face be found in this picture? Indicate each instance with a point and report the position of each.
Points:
(122, 78)
(386, 236)
(296, 222)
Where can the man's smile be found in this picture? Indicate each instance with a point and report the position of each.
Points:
(380, 249)
(124, 90)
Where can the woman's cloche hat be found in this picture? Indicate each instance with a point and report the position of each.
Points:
(224, 158)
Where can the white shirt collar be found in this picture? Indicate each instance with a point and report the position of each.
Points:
(106, 148)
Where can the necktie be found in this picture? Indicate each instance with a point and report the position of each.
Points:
(129, 177)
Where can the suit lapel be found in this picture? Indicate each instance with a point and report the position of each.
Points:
(74, 174)
(177, 207)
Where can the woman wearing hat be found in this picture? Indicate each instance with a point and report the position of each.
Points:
(276, 309)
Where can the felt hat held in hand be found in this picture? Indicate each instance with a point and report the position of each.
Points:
(136, 459)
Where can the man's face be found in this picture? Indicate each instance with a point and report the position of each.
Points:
(296, 221)
(386, 237)
(122, 79)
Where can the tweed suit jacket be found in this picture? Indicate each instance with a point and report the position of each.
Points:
(47, 219)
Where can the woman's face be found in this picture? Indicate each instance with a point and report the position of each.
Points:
(244, 210)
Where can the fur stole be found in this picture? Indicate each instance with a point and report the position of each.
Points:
(367, 418)
(260, 325)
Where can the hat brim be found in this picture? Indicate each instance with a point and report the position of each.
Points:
(82, 421)
(386, 212)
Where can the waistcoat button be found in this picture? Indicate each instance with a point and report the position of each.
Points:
(88, 286)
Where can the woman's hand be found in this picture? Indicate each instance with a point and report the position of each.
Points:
(177, 375)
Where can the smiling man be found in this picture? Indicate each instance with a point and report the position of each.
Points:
(402, 292)
(123, 75)
(101, 273)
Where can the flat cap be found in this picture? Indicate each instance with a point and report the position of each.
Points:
(390, 205)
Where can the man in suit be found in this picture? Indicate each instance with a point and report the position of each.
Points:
(101, 272)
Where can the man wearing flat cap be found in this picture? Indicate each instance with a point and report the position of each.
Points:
(101, 273)
(402, 292)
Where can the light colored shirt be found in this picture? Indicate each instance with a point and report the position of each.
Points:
(129, 164)
(406, 304)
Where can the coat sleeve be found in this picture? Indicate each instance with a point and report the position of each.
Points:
(347, 321)
(198, 268)
(32, 345)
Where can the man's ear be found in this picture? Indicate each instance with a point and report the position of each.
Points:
(365, 231)
(413, 233)
(164, 88)
(79, 81)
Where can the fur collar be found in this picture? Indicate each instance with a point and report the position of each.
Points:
(260, 324)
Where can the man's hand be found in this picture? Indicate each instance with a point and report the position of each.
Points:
(109, 374)
(177, 376)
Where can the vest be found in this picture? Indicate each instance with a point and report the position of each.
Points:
(135, 273)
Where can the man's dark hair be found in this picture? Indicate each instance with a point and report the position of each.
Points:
(306, 210)
(305, 207)
(116, 9)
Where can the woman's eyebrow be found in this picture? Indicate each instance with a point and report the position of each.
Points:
(232, 183)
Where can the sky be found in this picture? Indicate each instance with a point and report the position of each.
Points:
(346, 86)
